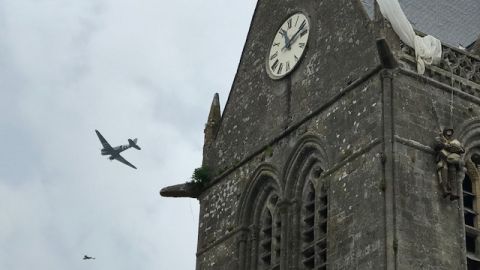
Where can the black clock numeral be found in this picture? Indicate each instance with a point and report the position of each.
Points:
(287, 66)
(276, 44)
(297, 20)
(282, 32)
(275, 64)
(273, 56)
(280, 68)
(301, 45)
(289, 23)
(296, 58)
(303, 32)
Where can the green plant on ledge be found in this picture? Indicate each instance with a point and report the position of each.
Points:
(200, 176)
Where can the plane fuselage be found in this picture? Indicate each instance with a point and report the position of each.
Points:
(115, 150)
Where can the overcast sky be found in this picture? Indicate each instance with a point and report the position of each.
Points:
(129, 68)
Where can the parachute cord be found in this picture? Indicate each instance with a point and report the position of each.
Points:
(452, 82)
(451, 109)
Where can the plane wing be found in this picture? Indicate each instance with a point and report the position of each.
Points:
(124, 161)
(104, 142)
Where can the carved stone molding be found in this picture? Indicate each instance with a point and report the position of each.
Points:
(457, 68)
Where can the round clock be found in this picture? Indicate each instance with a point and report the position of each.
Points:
(288, 46)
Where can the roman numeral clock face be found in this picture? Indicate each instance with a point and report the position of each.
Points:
(288, 46)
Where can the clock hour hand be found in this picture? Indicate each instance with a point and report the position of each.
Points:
(295, 36)
(292, 41)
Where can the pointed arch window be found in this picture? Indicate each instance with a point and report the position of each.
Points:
(266, 238)
(470, 212)
(270, 236)
(314, 226)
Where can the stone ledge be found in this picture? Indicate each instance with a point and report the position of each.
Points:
(457, 68)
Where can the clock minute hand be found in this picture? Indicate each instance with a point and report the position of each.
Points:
(300, 29)
(295, 36)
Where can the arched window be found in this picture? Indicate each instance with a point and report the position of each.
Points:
(308, 232)
(314, 225)
(470, 212)
(321, 241)
(266, 239)
(270, 235)
(277, 239)
(306, 206)
(260, 242)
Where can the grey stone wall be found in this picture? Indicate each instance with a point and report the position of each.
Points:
(370, 214)
(341, 49)
(357, 221)
(349, 132)
(429, 228)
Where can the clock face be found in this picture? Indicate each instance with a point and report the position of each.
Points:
(288, 46)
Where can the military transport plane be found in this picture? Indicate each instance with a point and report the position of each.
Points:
(114, 152)
(86, 257)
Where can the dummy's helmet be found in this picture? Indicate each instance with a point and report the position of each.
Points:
(448, 131)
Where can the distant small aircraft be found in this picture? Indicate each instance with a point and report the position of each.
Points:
(85, 257)
(114, 152)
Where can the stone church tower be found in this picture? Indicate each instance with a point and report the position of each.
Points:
(324, 156)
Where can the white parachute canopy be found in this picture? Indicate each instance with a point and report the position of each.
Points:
(428, 49)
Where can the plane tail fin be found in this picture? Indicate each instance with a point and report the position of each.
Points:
(133, 143)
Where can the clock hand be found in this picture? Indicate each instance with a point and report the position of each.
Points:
(295, 36)
(287, 40)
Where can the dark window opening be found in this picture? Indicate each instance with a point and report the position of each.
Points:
(469, 218)
(473, 264)
(468, 200)
(314, 233)
(308, 233)
(277, 235)
(467, 184)
(269, 245)
(322, 239)
(470, 215)
(470, 242)
(266, 239)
